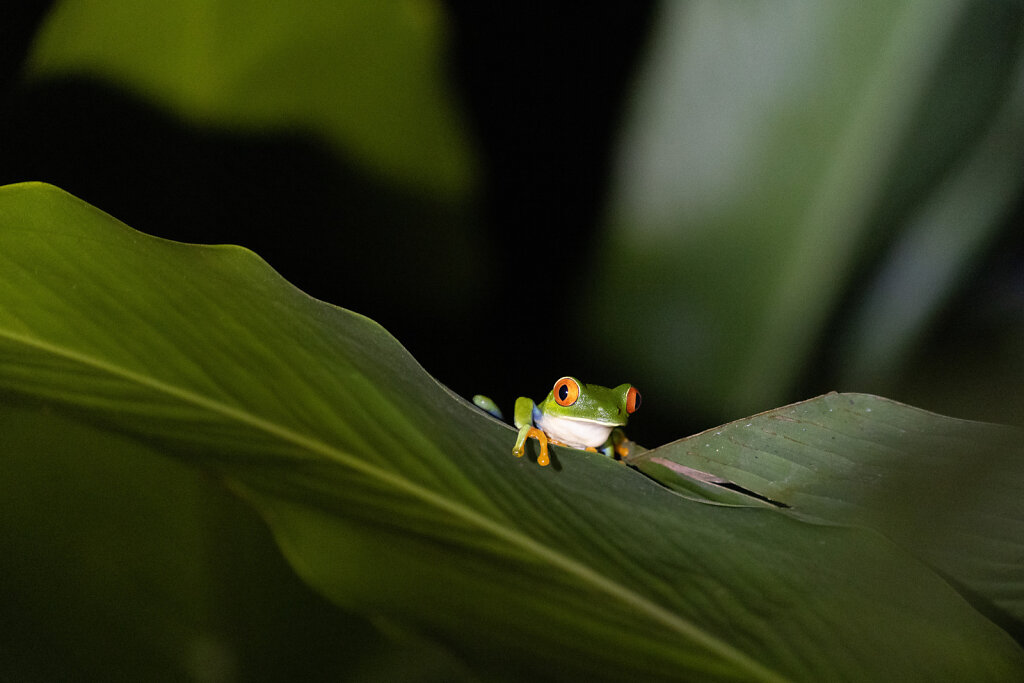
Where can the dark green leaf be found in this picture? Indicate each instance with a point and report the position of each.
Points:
(951, 491)
(397, 499)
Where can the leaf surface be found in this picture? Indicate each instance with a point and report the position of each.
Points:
(397, 499)
(951, 491)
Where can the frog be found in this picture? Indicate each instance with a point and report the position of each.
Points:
(585, 416)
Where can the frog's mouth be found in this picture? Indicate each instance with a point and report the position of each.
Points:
(576, 431)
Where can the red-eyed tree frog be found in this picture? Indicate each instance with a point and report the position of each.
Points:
(586, 416)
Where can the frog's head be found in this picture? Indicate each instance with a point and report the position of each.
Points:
(572, 399)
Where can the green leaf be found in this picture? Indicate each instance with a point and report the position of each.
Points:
(951, 491)
(755, 184)
(939, 246)
(367, 76)
(397, 499)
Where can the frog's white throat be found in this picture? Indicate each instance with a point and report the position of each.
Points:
(573, 431)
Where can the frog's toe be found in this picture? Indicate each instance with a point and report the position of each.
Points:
(542, 441)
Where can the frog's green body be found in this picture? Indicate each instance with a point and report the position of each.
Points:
(586, 416)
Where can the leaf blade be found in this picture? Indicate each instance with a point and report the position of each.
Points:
(948, 490)
(391, 495)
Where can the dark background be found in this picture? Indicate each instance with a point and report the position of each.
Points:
(543, 88)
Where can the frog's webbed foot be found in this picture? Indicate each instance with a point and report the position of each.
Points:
(487, 405)
(542, 439)
(623, 449)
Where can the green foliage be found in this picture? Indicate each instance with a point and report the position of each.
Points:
(367, 76)
(398, 500)
(814, 169)
(949, 491)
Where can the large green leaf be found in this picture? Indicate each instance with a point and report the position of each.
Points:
(397, 499)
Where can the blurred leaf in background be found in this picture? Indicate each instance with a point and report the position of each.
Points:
(801, 189)
(367, 76)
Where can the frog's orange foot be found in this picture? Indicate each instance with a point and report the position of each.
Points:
(542, 439)
(622, 449)
(590, 449)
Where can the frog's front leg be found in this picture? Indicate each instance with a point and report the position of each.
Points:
(523, 419)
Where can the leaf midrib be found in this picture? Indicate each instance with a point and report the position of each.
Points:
(678, 624)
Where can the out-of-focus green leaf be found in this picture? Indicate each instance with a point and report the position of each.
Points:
(941, 242)
(103, 567)
(397, 499)
(121, 564)
(368, 76)
(951, 491)
(765, 143)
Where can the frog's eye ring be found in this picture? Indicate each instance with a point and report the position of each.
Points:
(632, 400)
(566, 391)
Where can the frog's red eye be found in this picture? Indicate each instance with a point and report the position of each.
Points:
(632, 400)
(566, 391)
